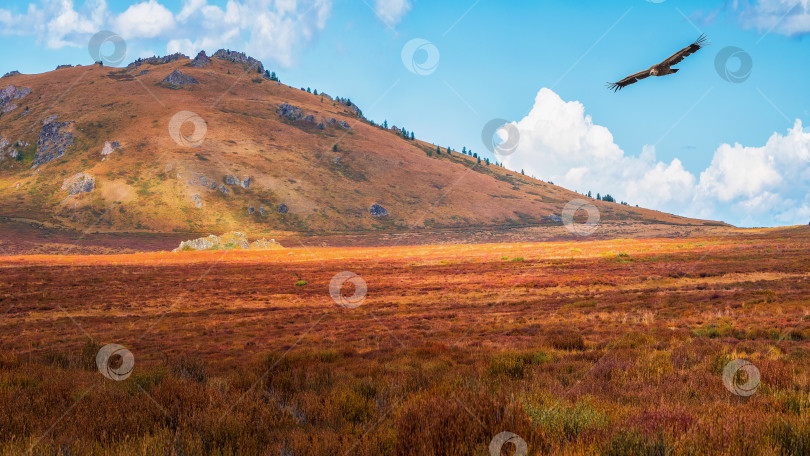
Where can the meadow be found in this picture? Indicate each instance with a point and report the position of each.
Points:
(614, 347)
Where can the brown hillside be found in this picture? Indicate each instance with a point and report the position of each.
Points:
(149, 183)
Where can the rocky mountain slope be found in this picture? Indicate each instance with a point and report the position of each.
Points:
(214, 144)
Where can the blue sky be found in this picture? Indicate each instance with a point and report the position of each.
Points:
(494, 60)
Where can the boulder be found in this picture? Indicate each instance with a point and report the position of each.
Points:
(197, 201)
(264, 244)
(261, 210)
(345, 125)
(231, 180)
(64, 66)
(555, 218)
(177, 80)
(290, 111)
(80, 183)
(53, 141)
(377, 211)
(109, 148)
(283, 209)
(201, 60)
(224, 189)
(251, 210)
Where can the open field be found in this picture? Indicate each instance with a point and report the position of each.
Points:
(599, 347)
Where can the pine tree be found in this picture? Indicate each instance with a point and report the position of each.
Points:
(599, 197)
(385, 124)
(438, 150)
(308, 90)
(334, 147)
(448, 151)
(315, 92)
(464, 150)
(412, 137)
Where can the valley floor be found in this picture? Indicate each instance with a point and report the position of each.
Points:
(600, 347)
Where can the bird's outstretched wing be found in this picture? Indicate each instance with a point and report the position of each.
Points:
(687, 51)
(616, 86)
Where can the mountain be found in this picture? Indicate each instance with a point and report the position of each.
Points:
(175, 145)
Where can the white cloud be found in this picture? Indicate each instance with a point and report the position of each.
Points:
(788, 17)
(766, 186)
(265, 29)
(391, 11)
(144, 20)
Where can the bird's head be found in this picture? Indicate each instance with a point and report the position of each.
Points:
(654, 72)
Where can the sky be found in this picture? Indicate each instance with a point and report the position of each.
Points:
(726, 138)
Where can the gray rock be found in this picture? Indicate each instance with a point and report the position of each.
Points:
(203, 181)
(332, 121)
(290, 111)
(326, 95)
(157, 60)
(11, 73)
(54, 139)
(310, 118)
(251, 210)
(261, 210)
(178, 80)
(224, 189)
(322, 126)
(283, 209)
(231, 180)
(11, 93)
(240, 58)
(197, 201)
(13, 153)
(10, 107)
(144, 72)
(109, 148)
(201, 60)
(555, 218)
(345, 125)
(80, 183)
(64, 66)
(377, 211)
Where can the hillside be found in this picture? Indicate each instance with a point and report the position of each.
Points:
(90, 149)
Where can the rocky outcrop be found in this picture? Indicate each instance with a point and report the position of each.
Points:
(54, 139)
(60, 67)
(231, 240)
(290, 111)
(377, 211)
(231, 180)
(201, 60)
(283, 209)
(240, 58)
(11, 93)
(157, 60)
(224, 189)
(555, 218)
(80, 183)
(345, 125)
(11, 73)
(178, 80)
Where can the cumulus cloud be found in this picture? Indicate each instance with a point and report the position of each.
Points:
(391, 11)
(744, 185)
(266, 29)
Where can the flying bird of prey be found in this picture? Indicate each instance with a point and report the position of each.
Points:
(662, 69)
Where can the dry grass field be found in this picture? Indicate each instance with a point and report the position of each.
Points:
(613, 347)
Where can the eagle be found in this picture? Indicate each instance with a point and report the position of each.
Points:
(662, 69)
